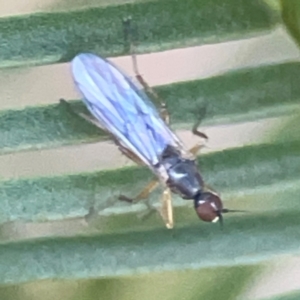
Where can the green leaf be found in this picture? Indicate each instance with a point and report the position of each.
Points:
(241, 242)
(45, 38)
(187, 284)
(236, 96)
(72, 196)
(91, 243)
(288, 296)
(291, 17)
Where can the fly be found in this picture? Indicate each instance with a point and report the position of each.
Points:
(119, 107)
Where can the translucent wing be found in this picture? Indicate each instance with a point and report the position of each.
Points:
(121, 108)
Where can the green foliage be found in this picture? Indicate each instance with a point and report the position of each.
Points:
(43, 38)
(288, 296)
(291, 17)
(193, 247)
(237, 96)
(109, 250)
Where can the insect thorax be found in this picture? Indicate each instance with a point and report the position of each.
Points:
(183, 176)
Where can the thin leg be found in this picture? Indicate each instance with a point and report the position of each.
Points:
(197, 132)
(197, 147)
(129, 153)
(130, 34)
(166, 211)
(163, 111)
(129, 38)
(87, 117)
(167, 208)
(201, 112)
(195, 150)
(144, 194)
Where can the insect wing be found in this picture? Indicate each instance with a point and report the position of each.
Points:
(121, 108)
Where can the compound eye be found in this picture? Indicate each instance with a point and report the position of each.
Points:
(206, 212)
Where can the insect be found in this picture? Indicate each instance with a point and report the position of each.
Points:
(119, 107)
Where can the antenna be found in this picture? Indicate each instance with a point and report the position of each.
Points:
(225, 211)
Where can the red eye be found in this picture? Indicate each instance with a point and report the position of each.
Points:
(206, 212)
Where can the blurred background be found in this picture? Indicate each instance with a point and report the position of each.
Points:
(64, 234)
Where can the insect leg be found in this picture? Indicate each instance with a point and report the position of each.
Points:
(129, 153)
(167, 208)
(129, 35)
(87, 117)
(195, 149)
(144, 194)
(197, 132)
(166, 211)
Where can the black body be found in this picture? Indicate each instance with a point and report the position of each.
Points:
(184, 177)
